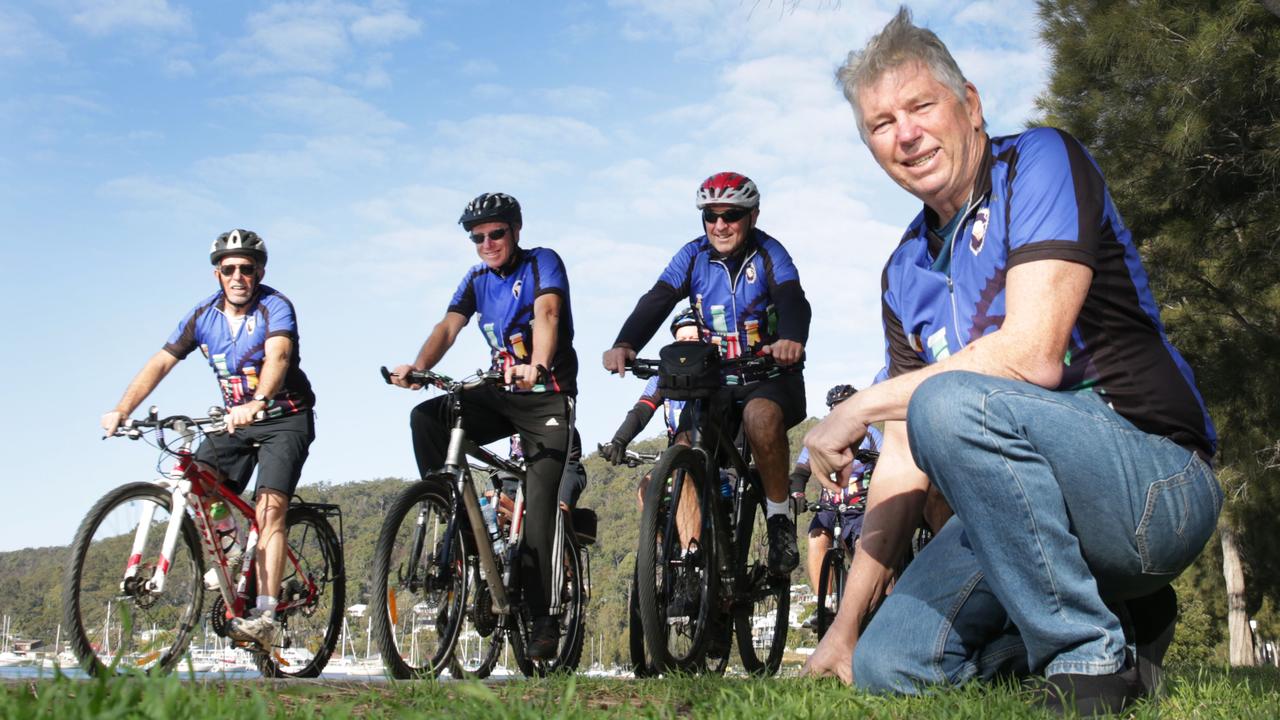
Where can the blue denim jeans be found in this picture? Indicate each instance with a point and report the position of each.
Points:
(1062, 506)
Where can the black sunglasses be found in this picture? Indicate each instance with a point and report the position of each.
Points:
(732, 215)
(246, 269)
(498, 234)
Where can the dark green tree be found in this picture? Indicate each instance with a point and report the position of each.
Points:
(1179, 102)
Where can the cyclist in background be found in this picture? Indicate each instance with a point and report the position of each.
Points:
(522, 298)
(684, 328)
(746, 293)
(249, 334)
(853, 496)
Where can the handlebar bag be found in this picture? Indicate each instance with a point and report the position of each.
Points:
(689, 370)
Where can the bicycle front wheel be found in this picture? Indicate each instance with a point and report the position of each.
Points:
(761, 601)
(830, 590)
(314, 588)
(419, 581)
(676, 575)
(117, 620)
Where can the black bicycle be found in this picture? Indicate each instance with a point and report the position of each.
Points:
(835, 562)
(702, 562)
(437, 566)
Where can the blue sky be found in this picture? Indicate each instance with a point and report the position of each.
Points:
(351, 134)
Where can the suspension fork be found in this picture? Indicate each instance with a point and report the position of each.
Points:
(178, 507)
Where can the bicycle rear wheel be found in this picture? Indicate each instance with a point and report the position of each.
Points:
(761, 601)
(676, 573)
(118, 624)
(830, 590)
(572, 620)
(641, 667)
(314, 587)
(419, 581)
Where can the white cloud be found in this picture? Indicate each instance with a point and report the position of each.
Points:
(318, 105)
(103, 18)
(22, 39)
(479, 67)
(575, 98)
(315, 37)
(152, 195)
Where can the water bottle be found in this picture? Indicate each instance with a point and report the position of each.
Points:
(488, 508)
(227, 531)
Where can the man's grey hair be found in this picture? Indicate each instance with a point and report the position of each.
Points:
(899, 43)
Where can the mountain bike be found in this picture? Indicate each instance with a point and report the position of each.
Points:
(702, 560)
(835, 562)
(134, 586)
(437, 568)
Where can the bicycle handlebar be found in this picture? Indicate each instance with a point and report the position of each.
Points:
(444, 382)
(133, 428)
(644, 368)
(632, 459)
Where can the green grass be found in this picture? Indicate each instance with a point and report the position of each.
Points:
(1190, 693)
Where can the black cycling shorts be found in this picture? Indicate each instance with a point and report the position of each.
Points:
(787, 391)
(277, 447)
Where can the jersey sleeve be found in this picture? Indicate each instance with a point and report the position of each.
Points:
(655, 305)
(1057, 199)
(464, 298)
(281, 320)
(183, 338)
(794, 312)
(549, 274)
(899, 356)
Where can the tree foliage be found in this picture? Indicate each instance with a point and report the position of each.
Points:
(1179, 101)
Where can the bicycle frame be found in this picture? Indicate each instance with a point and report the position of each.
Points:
(192, 489)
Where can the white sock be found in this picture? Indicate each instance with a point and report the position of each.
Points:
(266, 606)
(782, 507)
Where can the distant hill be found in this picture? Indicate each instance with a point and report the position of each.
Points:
(32, 578)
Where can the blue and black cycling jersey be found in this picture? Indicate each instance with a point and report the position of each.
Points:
(1041, 196)
(744, 301)
(671, 409)
(504, 300)
(859, 479)
(236, 356)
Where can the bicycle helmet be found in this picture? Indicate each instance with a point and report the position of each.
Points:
(491, 207)
(684, 319)
(728, 188)
(839, 394)
(238, 242)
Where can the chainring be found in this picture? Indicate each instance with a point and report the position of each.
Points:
(218, 617)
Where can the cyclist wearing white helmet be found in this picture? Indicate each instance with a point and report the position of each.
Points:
(522, 298)
(746, 293)
(249, 334)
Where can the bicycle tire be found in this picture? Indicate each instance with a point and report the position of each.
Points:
(659, 566)
(312, 626)
(830, 585)
(442, 594)
(93, 575)
(755, 586)
(572, 620)
(640, 665)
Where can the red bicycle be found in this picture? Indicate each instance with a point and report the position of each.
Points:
(135, 583)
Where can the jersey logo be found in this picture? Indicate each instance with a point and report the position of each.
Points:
(250, 323)
(913, 339)
(979, 230)
(751, 274)
(551, 422)
(515, 289)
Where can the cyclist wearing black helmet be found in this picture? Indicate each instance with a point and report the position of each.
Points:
(852, 497)
(249, 334)
(522, 299)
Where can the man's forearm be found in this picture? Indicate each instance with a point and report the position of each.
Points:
(155, 370)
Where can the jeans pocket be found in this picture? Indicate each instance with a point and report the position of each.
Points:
(1179, 516)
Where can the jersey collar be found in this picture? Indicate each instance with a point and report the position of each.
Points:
(505, 271)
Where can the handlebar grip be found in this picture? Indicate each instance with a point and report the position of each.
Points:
(386, 375)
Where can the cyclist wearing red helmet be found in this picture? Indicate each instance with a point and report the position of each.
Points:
(746, 292)
(248, 333)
